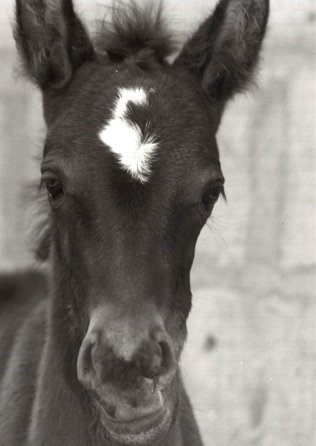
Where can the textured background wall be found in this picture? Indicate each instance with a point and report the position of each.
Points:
(250, 359)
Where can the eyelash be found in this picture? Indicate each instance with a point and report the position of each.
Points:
(53, 185)
(211, 196)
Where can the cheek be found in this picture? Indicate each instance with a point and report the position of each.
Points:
(62, 242)
(71, 237)
(177, 329)
(64, 230)
(182, 299)
(192, 222)
(186, 247)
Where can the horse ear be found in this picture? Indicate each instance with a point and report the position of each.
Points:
(224, 51)
(51, 40)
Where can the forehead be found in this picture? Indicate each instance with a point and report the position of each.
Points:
(137, 119)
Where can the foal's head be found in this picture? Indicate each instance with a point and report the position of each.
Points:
(132, 172)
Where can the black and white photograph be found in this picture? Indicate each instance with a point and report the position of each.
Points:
(158, 223)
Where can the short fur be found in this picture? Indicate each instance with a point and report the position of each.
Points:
(134, 147)
(50, 55)
(89, 355)
(225, 50)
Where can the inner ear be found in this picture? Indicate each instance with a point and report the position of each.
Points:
(51, 40)
(224, 51)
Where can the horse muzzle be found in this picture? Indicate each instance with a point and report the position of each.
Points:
(129, 370)
(136, 424)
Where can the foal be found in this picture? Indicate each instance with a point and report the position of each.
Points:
(132, 172)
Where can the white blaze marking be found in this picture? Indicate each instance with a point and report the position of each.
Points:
(134, 149)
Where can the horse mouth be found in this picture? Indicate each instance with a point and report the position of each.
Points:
(139, 428)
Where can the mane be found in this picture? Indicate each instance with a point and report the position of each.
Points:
(135, 31)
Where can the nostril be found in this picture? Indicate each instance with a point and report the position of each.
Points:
(157, 360)
(168, 360)
(156, 356)
(149, 358)
(85, 369)
(110, 410)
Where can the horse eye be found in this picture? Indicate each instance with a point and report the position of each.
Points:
(211, 196)
(54, 188)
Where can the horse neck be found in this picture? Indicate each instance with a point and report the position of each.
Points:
(58, 414)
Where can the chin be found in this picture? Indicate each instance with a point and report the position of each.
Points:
(139, 426)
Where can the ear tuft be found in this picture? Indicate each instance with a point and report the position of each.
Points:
(224, 52)
(51, 40)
